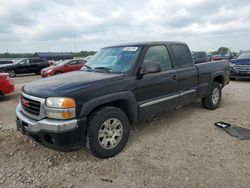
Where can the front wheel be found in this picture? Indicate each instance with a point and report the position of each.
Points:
(38, 72)
(58, 72)
(212, 101)
(108, 131)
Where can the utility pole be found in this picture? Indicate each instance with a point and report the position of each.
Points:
(75, 42)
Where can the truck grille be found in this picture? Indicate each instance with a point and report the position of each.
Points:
(242, 67)
(30, 105)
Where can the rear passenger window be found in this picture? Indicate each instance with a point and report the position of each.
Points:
(182, 55)
(160, 55)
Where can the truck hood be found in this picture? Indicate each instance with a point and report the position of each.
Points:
(241, 61)
(65, 84)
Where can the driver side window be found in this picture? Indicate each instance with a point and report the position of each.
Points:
(158, 54)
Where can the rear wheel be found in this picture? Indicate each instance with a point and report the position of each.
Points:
(38, 72)
(108, 132)
(1, 94)
(212, 101)
(12, 73)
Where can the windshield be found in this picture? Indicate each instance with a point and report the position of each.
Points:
(17, 61)
(244, 55)
(114, 59)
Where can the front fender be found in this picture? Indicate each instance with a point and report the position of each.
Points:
(129, 97)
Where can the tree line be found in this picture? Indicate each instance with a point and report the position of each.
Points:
(26, 55)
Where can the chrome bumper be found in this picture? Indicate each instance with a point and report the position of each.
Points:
(32, 125)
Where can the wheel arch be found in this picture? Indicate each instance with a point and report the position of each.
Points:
(217, 77)
(123, 100)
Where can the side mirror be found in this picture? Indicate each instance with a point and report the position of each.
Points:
(153, 67)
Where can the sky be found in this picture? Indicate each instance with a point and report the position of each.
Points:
(76, 25)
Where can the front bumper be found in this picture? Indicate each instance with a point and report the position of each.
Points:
(239, 73)
(46, 74)
(63, 135)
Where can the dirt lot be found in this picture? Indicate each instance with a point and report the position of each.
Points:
(177, 149)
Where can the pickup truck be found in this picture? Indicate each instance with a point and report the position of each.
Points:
(117, 87)
(27, 65)
(240, 67)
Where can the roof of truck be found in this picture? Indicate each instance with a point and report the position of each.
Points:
(146, 43)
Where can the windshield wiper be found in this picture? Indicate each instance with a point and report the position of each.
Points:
(87, 66)
(104, 68)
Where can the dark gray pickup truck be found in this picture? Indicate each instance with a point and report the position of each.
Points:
(119, 85)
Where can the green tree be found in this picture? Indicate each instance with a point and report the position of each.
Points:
(223, 50)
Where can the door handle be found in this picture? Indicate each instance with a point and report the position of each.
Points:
(174, 77)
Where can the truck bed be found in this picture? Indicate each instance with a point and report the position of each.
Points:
(207, 69)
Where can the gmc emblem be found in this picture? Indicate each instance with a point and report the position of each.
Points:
(25, 102)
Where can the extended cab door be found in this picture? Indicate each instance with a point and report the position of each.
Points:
(157, 92)
(187, 73)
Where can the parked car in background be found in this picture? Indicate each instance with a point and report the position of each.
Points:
(64, 66)
(27, 65)
(118, 86)
(6, 84)
(210, 57)
(217, 58)
(200, 57)
(240, 67)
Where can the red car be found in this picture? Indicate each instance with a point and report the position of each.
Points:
(6, 84)
(65, 66)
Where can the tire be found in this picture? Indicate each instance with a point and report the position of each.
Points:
(12, 73)
(1, 94)
(100, 136)
(212, 101)
(38, 72)
(58, 72)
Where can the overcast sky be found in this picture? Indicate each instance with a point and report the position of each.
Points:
(47, 25)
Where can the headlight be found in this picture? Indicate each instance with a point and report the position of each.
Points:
(231, 65)
(60, 107)
(60, 102)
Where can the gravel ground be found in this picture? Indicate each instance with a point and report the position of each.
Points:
(177, 149)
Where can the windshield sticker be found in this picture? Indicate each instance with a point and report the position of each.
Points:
(130, 49)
